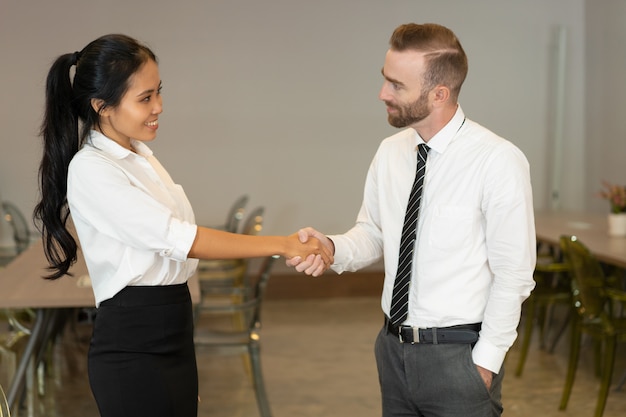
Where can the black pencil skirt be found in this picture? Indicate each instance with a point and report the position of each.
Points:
(142, 360)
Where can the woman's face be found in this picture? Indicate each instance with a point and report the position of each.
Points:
(137, 114)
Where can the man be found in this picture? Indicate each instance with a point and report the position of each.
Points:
(471, 254)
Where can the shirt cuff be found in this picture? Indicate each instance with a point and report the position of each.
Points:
(488, 356)
(339, 256)
(181, 234)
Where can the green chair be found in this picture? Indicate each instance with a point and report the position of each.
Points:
(14, 332)
(4, 407)
(596, 304)
(552, 287)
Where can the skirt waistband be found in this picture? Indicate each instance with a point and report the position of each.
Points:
(143, 295)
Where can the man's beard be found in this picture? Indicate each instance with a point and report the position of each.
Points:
(411, 113)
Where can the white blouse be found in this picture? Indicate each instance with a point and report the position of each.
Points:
(134, 224)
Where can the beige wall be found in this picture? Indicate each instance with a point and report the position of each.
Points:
(605, 96)
(279, 98)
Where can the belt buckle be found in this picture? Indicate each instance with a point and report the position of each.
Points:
(416, 335)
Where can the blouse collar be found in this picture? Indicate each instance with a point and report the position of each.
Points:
(99, 141)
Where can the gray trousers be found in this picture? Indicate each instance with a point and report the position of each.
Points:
(425, 380)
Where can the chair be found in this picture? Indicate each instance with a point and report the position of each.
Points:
(218, 277)
(229, 271)
(254, 222)
(240, 337)
(12, 334)
(552, 287)
(235, 215)
(4, 406)
(17, 221)
(596, 305)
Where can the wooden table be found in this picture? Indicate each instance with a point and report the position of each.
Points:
(22, 286)
(590, 228)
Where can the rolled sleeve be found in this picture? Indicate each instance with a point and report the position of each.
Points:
(182, 235)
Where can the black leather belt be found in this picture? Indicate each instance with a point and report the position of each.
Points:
(464, 333)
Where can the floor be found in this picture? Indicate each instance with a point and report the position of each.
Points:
(318, 362)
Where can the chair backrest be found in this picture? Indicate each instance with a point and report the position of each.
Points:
(16, 328)
(588, 280)
(254, 222)
(235, 214)
(249, 300)
(4, 406)
(15, 218)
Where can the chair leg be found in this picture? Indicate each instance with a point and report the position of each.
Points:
(543, 316)
(621, 382)
(607, 374)
(560, 332)
(239, 323)
(259, 383)
(528, 332)
(598, 357)
(572, 364)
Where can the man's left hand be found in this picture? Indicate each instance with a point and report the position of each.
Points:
(486, 375)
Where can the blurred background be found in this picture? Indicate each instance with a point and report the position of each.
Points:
(278, 99)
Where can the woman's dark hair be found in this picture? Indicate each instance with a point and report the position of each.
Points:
(102, 71)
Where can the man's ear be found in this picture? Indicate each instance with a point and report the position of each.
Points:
(97, 104)
(441, 93)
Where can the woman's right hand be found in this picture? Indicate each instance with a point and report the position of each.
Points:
(313, 265)
(313, 250)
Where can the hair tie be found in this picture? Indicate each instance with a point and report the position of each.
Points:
(75, 57)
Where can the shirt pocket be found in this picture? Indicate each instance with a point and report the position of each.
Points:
(453, 227)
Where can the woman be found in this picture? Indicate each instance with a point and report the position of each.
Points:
(135, 226)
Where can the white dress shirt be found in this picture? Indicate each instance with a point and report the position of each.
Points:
(475, 249)
(134, 224)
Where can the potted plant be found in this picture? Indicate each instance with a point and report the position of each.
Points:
(616, 196)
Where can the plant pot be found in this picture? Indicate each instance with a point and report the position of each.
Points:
(617, 224)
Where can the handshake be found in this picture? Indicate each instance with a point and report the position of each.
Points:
(313, 252)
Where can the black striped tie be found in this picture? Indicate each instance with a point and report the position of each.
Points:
(400, 297)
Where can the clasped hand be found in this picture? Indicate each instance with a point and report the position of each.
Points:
(312, 264)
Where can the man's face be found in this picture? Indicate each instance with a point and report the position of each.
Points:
(403, 89)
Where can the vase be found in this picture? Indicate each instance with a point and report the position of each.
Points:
(617, 224)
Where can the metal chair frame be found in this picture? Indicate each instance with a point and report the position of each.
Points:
(21, 230)
(243, 336)
(228, 272)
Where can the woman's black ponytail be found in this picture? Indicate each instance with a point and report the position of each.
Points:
(60, 141)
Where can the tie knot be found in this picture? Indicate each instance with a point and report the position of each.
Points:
(422, 152)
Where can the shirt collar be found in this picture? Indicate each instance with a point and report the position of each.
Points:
(442, 139)
(99, 141)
